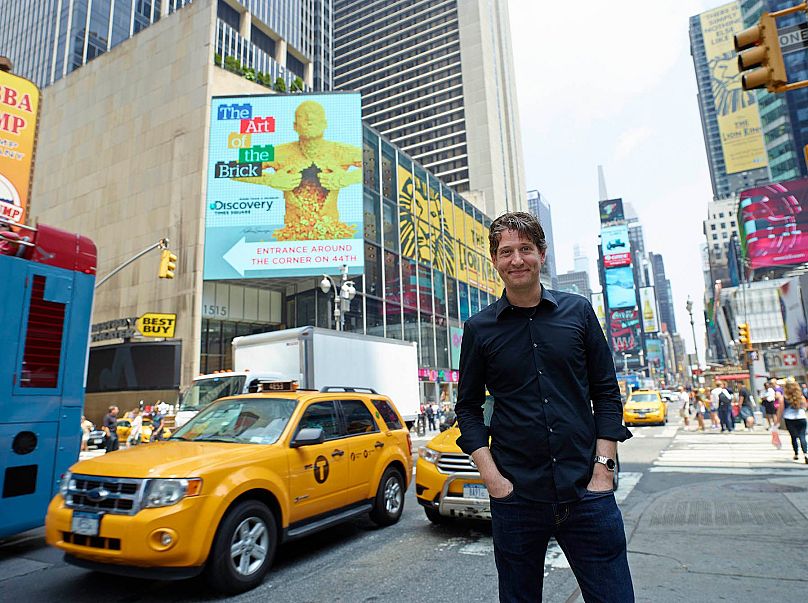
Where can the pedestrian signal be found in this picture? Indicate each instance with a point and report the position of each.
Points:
(760, 58)
(168, 264)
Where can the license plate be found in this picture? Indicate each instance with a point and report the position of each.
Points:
(85, 524)
(475, 491)
(640, 415)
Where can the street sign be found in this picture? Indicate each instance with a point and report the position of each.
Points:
(793, 38)
(152, 324)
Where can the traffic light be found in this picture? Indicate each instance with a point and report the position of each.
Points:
(744, 337)
(762, 57)
(168, 263)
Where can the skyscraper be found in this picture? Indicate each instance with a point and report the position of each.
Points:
(736, 151)
(579, 259)
(437, 79)
(783, 115)
(284, 38)
(575, 281)
(664, 295)
(538, 205)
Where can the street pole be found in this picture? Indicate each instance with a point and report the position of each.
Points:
(161, 244)
(689, 306)
(342, 295)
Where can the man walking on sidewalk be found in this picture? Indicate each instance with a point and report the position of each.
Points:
(721, 400)
(556, 422)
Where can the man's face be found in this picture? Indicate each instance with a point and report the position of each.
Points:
(114, 412)
(518, 261)
(310, 120)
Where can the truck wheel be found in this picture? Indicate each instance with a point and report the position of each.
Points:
(243, 549)
(389, 503)
(435, 517)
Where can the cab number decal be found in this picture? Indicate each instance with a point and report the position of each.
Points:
(321, 469)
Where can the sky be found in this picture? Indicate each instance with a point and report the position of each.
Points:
(613, 84)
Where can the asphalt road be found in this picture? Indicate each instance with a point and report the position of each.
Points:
(412, 561)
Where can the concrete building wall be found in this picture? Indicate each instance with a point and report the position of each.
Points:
(121, 158)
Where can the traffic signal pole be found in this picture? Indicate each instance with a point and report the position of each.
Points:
(161, 244)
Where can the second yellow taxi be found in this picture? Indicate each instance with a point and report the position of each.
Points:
(645, 406)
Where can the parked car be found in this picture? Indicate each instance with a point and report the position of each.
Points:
(96, 439)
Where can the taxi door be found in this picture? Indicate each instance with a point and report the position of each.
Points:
(318, 473)
(365, 445)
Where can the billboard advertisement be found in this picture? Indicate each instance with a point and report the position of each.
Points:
(654, 354)
(611, 210)
(793, 313)
(600, 311)
(18, 121)
(620, 288)
(284, 186)
(650, 315)
(624, 330)
(615, 246)
(775, 227)
(742, 140)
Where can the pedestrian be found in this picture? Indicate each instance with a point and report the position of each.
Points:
(721, 407)
(86, 428)
(747, 408)
(137, 426)
(768, 404)
(700, 402)
(795, 418)
(110, 426)
(557, 418)
(430, 417)
(157, 425)
(684, 406)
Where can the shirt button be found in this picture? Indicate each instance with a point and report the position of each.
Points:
(551, 429)
(546, 400)
(540, 373)
(554, 459)
(530, 319)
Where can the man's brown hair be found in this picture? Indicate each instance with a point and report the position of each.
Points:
(523, 223)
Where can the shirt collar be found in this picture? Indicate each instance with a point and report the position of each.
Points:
(546, 296)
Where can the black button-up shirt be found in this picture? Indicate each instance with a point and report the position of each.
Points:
(552, 377)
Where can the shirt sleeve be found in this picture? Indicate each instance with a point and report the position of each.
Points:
(471, 394)
(603, 389)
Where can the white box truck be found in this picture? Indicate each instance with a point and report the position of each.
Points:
(315, 358)
(318, 358)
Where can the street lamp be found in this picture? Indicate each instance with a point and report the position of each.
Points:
(342, 296)
(689, 307)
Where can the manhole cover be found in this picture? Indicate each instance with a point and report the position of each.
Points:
(764, 487)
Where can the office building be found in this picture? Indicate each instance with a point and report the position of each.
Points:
(719, 227)
(281, 38)
(575, 281)
(539, 206)
(580, 261)
(664, 294)
(437, 80)
(728, 113)
(783, 116)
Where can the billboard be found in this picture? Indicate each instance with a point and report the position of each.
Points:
(611, 210)
(624, 330)
(793, 312)
(615, 246)
(284, 192)
(620, 288)
(19, 110)
(775, 225)
(736, 109)
(654, 353)
(650, 315)
(600, 312)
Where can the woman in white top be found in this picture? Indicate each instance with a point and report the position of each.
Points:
(794, 414)
(137, 425)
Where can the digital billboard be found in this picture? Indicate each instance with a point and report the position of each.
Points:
(600, 312)
(620, 288)
(18, 120)
(648, 305)
(654, 353)
(742, 140)
(611, 210)
(615, 246)
(775, 223)
(793, 312)
(284, 186)
(624, 330)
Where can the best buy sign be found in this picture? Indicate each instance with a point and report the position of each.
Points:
(152, 324)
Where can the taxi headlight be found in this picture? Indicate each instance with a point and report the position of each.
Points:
(167, 492)
(66, 483)
(429, 455)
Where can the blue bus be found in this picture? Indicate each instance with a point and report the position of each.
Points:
(48, 277)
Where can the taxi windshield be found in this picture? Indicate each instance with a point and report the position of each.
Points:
(241, 420)
(643, 398)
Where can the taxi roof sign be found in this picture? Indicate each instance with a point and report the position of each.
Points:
(277, 386)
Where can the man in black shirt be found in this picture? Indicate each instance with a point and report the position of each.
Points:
(554, 431)
(111, 428)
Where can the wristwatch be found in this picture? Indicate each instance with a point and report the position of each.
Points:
(605, 460)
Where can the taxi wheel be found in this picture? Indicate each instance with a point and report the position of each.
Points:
(389, 502)
(243, 549)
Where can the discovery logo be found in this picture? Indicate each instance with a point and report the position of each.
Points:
(232, 208)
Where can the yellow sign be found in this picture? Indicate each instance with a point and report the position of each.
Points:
(156, 325)
(19, 110)
(737, 113)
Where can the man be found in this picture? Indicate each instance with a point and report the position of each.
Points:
(557, 418)
(684, 406)
(768, 405)
(747, 408)
(721, 401)
(110, 427)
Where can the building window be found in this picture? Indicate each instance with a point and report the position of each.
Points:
(229, 15)
(262, 41)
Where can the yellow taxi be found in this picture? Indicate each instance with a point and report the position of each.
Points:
(247, 473)
(645, 406)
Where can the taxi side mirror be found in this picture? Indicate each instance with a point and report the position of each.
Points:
(308, 437)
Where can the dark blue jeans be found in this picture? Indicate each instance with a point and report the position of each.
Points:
(590, 532)
(725, 416)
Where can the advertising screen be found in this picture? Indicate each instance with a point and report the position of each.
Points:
(600, 312)
(18, 118)
(611, 210)
(775, 223)
(742, 140)
(615, 246)
(654, 354)
(624, 330)
(650, 316)
(284, 186)
(793, 313)
(620, 288)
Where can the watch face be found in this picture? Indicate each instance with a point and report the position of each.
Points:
(610, 464)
